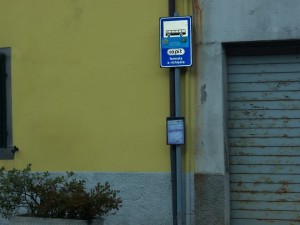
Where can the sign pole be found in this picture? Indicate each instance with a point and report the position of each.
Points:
(178, 150)
(176, 52)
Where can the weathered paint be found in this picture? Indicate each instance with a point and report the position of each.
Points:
(264, 131)
(219, 22)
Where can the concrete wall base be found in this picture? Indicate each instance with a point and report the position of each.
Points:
(147, 197)
(210, 199)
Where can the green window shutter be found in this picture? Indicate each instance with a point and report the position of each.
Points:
(3, 97)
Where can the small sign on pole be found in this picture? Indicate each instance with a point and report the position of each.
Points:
(176, 41)
(175, 131)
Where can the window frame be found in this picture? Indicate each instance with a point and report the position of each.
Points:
(7, 149)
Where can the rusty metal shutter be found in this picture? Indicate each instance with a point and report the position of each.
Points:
(264, 139)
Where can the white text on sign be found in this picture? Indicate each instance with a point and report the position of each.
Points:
(176, 51)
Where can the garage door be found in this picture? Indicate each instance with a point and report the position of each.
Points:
(264, 139)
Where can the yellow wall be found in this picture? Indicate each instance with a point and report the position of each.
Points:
(88, 92)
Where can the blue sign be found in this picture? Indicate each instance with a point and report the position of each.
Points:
(176, 41)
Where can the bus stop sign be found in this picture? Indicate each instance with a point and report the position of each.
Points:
(175, 41)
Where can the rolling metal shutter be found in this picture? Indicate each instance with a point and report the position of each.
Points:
(264, 139)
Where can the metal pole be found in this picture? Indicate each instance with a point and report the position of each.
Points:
(178, 150)
(172, 114)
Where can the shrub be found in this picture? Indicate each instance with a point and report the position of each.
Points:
(48, 196)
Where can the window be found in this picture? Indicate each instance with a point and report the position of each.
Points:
(6, 144)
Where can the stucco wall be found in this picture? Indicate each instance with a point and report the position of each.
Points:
(89, 95)
(231, 21)
(88, 92)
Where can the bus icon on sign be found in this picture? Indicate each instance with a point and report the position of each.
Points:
(179, 32)
(174, 29)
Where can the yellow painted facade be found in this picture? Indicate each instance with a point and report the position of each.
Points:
(88, 93)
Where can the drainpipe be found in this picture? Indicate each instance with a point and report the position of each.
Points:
(188, 174)
(172, 114)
